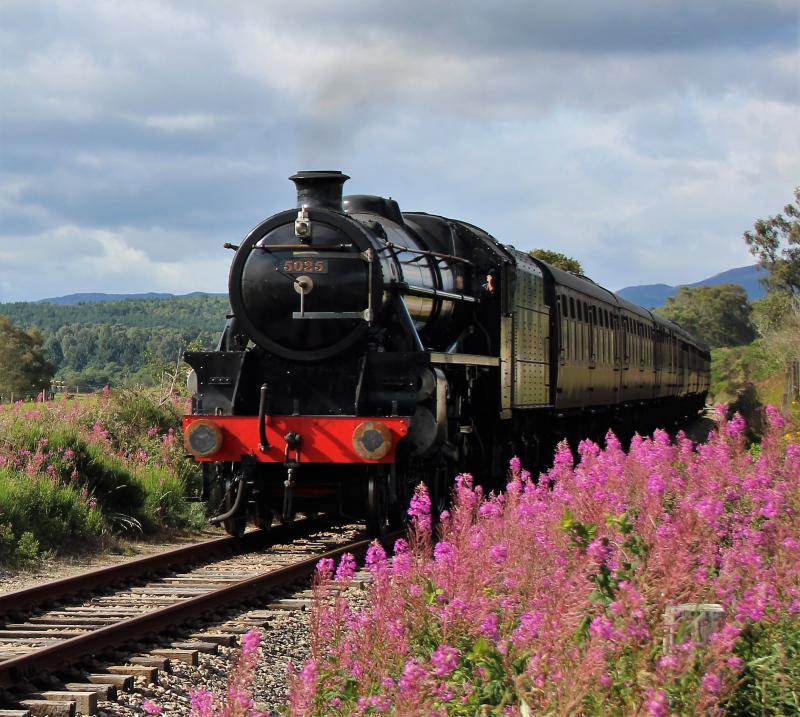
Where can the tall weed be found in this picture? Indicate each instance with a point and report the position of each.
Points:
(551, 597)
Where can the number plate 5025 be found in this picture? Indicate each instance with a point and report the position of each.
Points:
(305, 266)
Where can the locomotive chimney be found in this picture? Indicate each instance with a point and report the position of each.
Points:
(320, 189)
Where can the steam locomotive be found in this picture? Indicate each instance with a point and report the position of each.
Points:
(369, 349)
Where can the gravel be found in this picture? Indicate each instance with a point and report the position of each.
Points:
(285, 640)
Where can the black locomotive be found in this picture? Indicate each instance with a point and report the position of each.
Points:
(369, 349)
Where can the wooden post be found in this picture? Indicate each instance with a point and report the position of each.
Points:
(697, 621)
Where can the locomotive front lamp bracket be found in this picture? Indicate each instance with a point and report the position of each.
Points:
(302, 226)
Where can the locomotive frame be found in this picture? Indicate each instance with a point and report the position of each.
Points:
(369, 349)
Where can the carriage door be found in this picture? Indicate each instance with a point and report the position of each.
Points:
(592, 319)
(626, 345)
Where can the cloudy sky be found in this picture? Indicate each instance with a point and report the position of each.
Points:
(641, 137)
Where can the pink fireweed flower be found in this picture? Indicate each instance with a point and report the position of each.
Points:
(444, 553)
(444, 660)
(668, 663)
(413, 674)
(400, 546)
(656, 484)
(657, 702)
(325, 568)
(735, 427)
(202, 703)
(563, 458)
(376, 557)
(602, 628)
(151, 708)
(735, 663)
(515, 465)
(499, 553)
(420, 508)
(347, 568)
(712, 683)
(708, 542)
(491, 509)
(775, 418)
(490, 626)
(250, 642)
(598, 550)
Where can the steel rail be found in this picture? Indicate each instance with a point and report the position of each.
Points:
(133, 629)
(56, 589)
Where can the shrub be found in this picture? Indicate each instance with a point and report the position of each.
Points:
(119, 453)
(39, 514)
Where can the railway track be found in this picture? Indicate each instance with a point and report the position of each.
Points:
(53, 634)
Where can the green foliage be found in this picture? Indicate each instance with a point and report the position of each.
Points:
(92, 466)
(107, 464)
(38, 514)
(775, 242)
(558, 260)
(733, 368)
(24, 368)
(165, 503)
(95, 344)
(769, 683)
(718, 315)
(187, 313)
(770, 311)
(22, 552)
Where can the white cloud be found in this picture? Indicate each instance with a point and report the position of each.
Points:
(641, 138)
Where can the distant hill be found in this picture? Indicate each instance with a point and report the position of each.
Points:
(195, 312)
(98, 339)
(654, 295)
(70, 299)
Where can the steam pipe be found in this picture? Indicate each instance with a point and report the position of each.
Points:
(234, 509)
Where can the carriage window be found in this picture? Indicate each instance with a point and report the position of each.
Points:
(580, 312)
(571, 307)
(564, 306)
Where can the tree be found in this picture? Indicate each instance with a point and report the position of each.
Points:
(558, 260)
(775, 242)
(777, 318)
(718, 315)
(24, 368)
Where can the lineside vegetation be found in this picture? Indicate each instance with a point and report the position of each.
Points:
(551, 598)
(75, 473)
